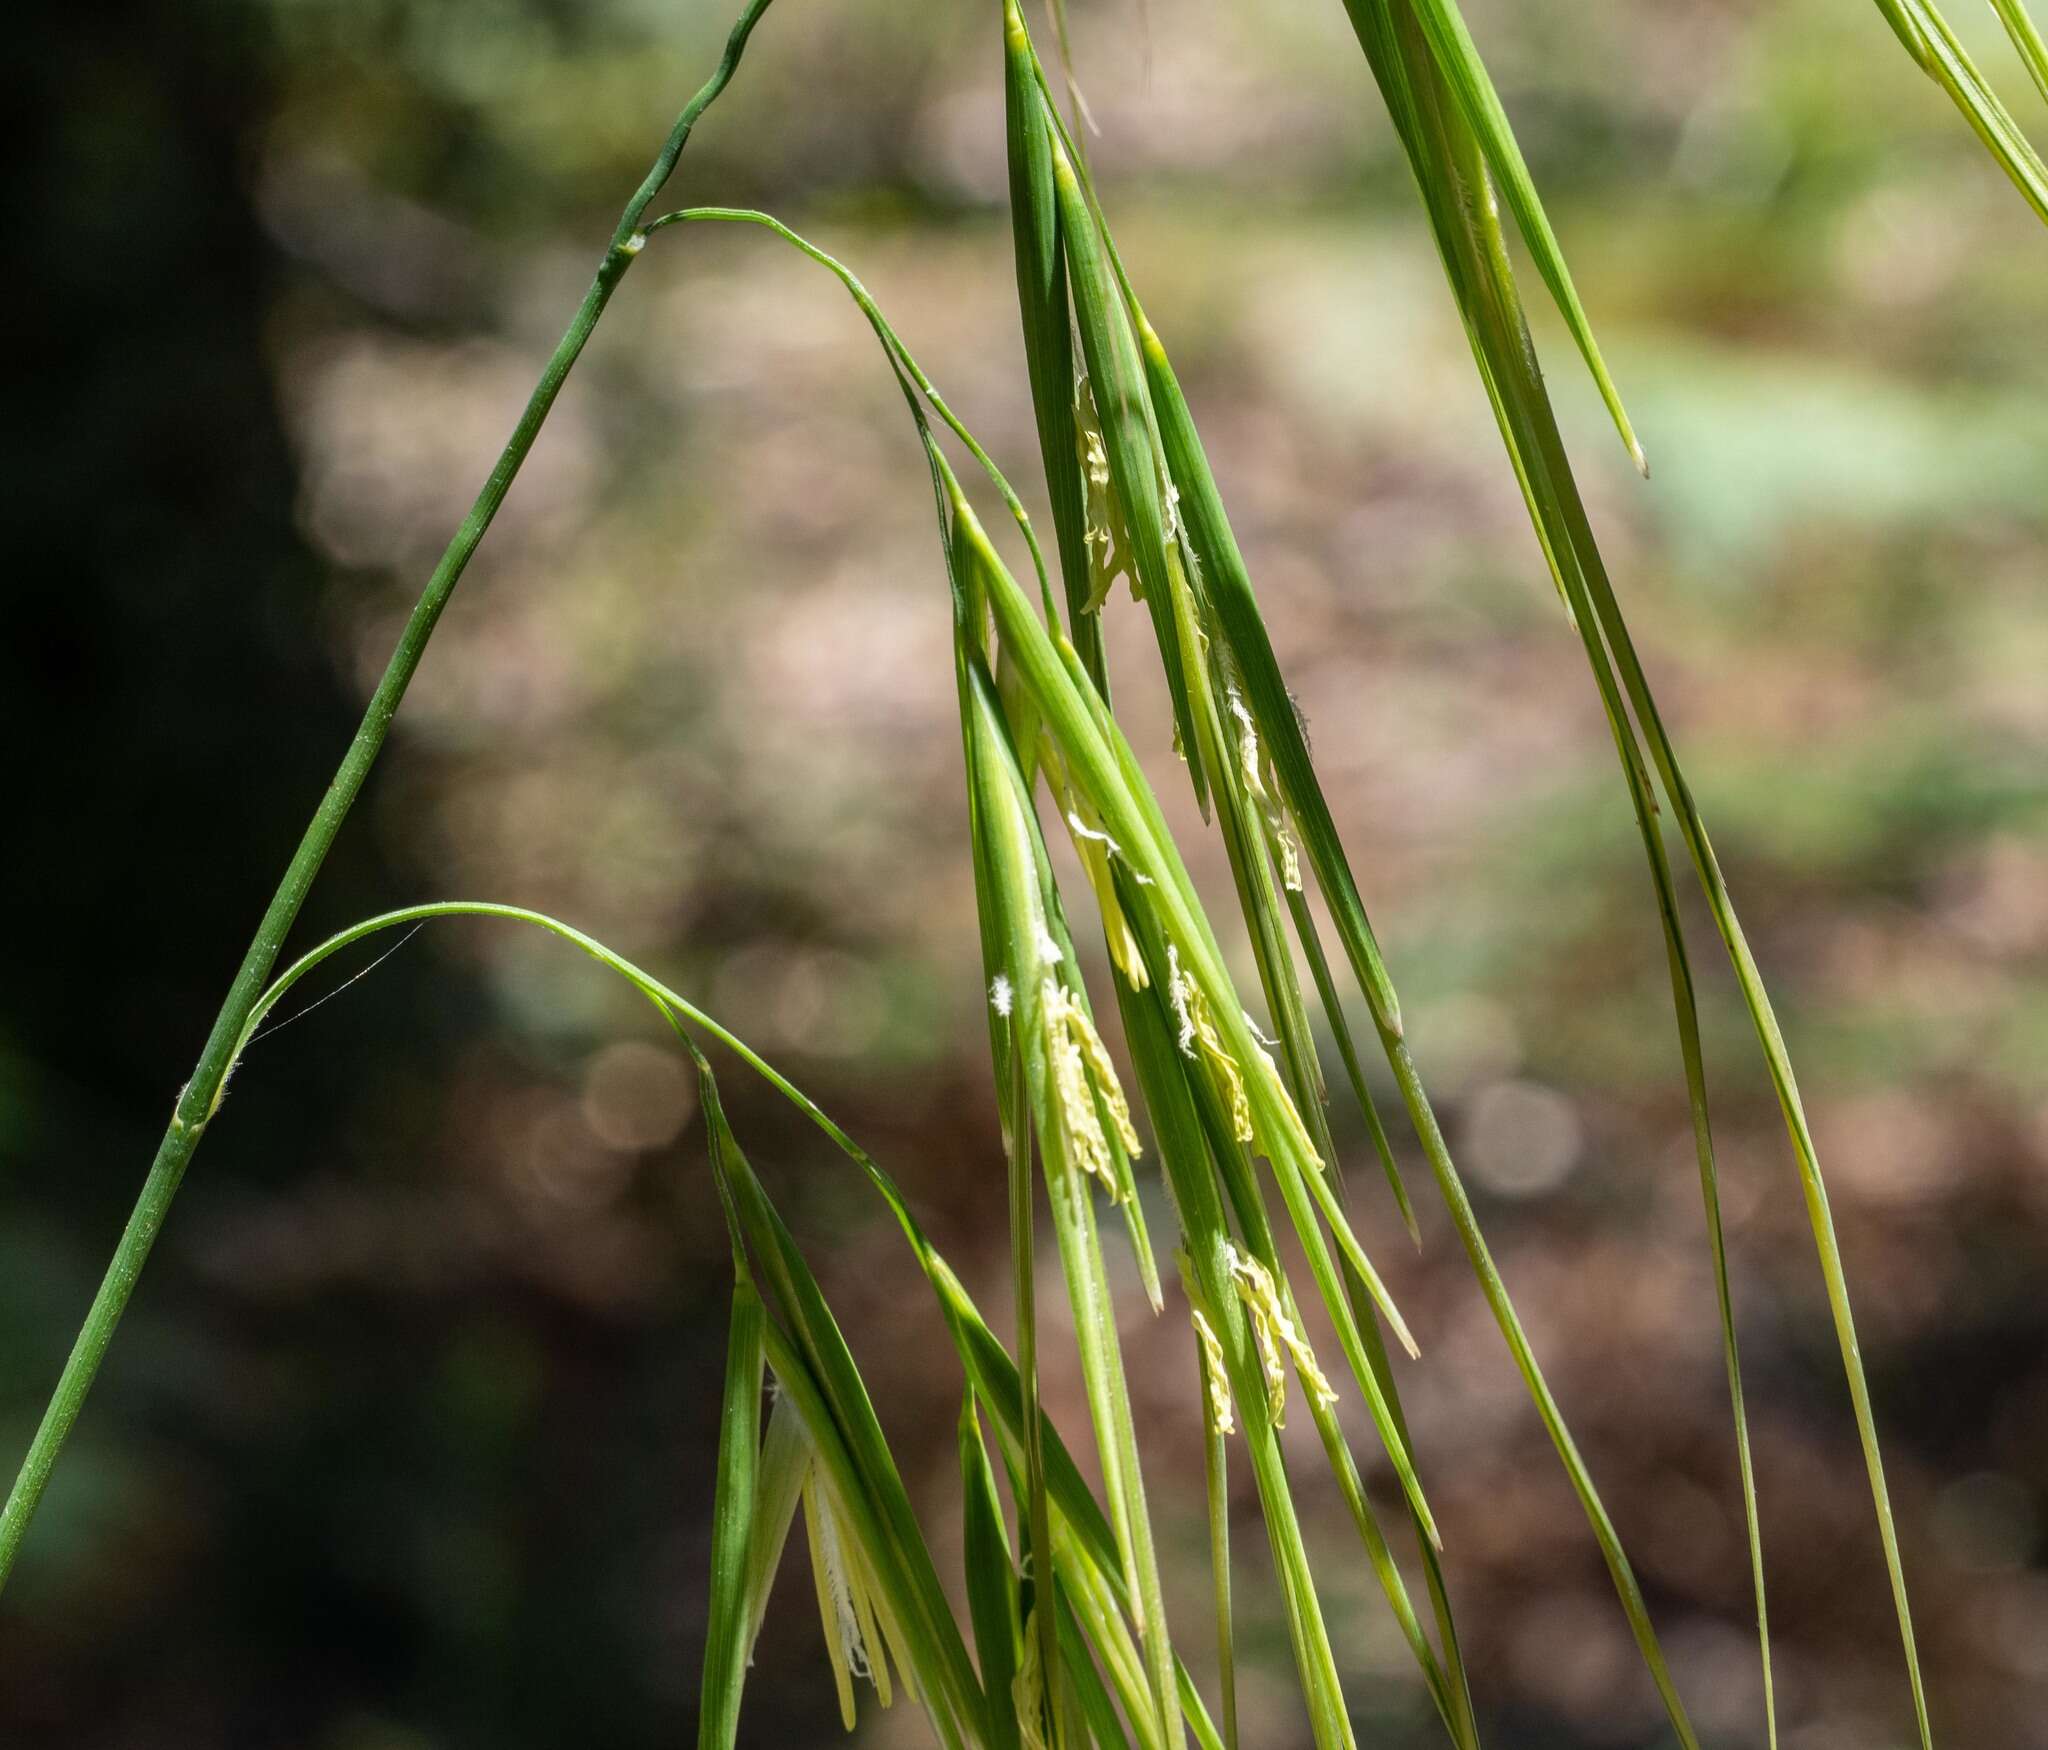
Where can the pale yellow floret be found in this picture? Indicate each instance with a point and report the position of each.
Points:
(1290, 1114)
(1102, 515)
(843, 1642)
(1095, 849)
(1288, 848)
(1198, 1030)
(1248, 759)
(1082, 1076)
(1277, 1336)
(1265, 791)
(858, 1622)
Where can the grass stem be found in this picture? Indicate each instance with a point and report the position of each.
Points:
(200, 1098)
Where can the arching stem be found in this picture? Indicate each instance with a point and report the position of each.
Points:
(200, 1097)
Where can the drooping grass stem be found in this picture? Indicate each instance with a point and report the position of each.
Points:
(200, 1098)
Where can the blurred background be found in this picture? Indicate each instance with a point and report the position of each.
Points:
(406, 1441)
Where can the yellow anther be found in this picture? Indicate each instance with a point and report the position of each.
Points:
(1198, 1030)
(1277, 1336)
(1082, 1075)
(1222, 1417)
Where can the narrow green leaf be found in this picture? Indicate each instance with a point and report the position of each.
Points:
(1092, 1699)
(1457, 58)
(1685, 1004)
(778, 1487)
(1932, 42)
(1218, 1421)
(1117, 382)
(2026, 40)
(1482, 282)
(728, 1637)
(1048, 324)
(1310, 938)
(991, 1580)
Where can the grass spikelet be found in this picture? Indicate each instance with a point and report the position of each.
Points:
(1070, 1086)
(1048, 323)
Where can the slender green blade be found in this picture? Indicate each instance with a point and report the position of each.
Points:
(1310, 938)
(2026, 40)
(1685, 1004)
(1094, 1703)
(1048, 323)
(1452, 181)
(1932, 42)
(1229, 587)
(1216, 1487)
(778, 1486)
(1116, 380)
(991, 1580)
(1457, 59)
(728, 1637)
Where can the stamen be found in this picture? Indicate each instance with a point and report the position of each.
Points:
(1223, 1416)
(1247, 745)
(1191, 1010)
(1275, 1331)
(1081, 1070)
(1289, 848)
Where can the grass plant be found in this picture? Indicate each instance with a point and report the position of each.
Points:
(1064, 1638)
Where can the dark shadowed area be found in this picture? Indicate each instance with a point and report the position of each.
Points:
(407, 1441)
